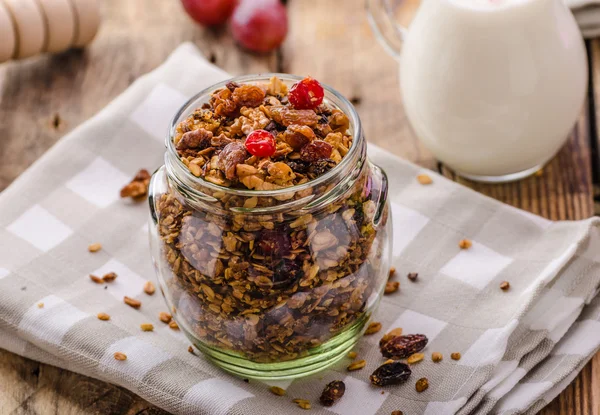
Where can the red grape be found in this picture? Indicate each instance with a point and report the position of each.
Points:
(259, 25)
(260, 143)
(209, 12)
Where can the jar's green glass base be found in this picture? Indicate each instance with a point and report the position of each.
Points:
(318, 358)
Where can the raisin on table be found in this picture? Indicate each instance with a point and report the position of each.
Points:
(390, 374)
(401, 347)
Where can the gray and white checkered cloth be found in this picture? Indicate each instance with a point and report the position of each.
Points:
(520, 348)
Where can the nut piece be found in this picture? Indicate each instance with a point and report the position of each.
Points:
(96, 279)
(173, 325)
(132, 302)
(413, 276)
(391, 287)
(465, 244)
(332, 392)
(40, 305)
(403, 346)
(422, 384)
(138, 187)
(397, 413)
(120, 356)
(392, 272)
(437, 357)
(373, 328)
(94, 247)
(505, 286)
(390, 335)
(424, 179)
(455, 356)
(147, 327)
(415, 358)
(302, 403)
(164, 317)
(357, 365)
(149, 288)
(352, 355)
(277, 390)
(110, 277)
(389, 361)
(103, 316)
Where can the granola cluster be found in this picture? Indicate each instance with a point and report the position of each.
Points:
(216, 141)
(269, 286)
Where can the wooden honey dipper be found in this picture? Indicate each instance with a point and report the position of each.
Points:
(29, 27)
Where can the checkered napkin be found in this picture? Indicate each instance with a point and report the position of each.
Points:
(587, 14)
(519, 348)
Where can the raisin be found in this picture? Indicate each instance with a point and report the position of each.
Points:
(248, 96)
(390, 374)
(286, 272)
(232, 86)
(197, 139)
(232, 155)
(332, 392)
(316, 150)
(320, 167)
(401, 347)
(297, 136)
(271, 127)
(223, 103)
(287, 116)
(298, 166)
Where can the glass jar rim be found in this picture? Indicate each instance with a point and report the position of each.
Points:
(337, 99)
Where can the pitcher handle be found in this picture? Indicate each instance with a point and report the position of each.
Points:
(388, 32)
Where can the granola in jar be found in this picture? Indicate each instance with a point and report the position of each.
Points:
(269, 225)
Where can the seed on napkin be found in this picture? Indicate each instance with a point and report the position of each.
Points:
(373, 328)
(415, 358)
(332, 392)
(147, 327)
(96, 279)
(120, 356)
(132, 302)
(357, 365)
(149, 288)
(352, 355)
(173, 324)
(164, 317)
(465, 244)
(422, 384)
(424, 179)
(110, 277)
(95, 247)
(437, 357)
(103, 316)
(277, 390)
(455, 356)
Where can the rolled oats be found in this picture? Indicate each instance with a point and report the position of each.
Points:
(277, 390)
(357, 365)
(373, 328)
(40, 305)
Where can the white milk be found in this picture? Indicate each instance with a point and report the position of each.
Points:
(493, 87)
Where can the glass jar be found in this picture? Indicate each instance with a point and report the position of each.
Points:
(272, 284)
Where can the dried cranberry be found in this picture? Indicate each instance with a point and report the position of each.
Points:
(306, 94)
(260, 143)
(320, 167)
(316, 150)
(275, 242)
(285, 272)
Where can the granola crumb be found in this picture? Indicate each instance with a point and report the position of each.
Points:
(302, 403)
(387, 362)
(505, 286)
(191, 349)
(373, 328)
(149, 288)
(173, 325)
(137, 189)
(455, 356)
(277, 390)
(465, 244)
(383, 392)
(103, 316)
(352, 355)
(120, 356)
(421, 385)
(40, 305)
(424, 179)
(147, 327)
(392, 272)
(397, 413)
(415, 358)
(96, 279)
(164, 317)
(412, 276)
(357, 365)
(95, 247)
(437, 357)
(110, 277)
(391, 287)
(132, 302)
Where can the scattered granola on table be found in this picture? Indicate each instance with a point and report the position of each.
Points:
(95, 247)
(273, 286)
(333, 392)
(421, 385)
(137, 189)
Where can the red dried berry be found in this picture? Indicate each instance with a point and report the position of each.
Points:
(316, 150)
(306, 94)
(260, 143)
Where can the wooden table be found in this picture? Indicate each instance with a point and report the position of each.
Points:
(43, 98)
